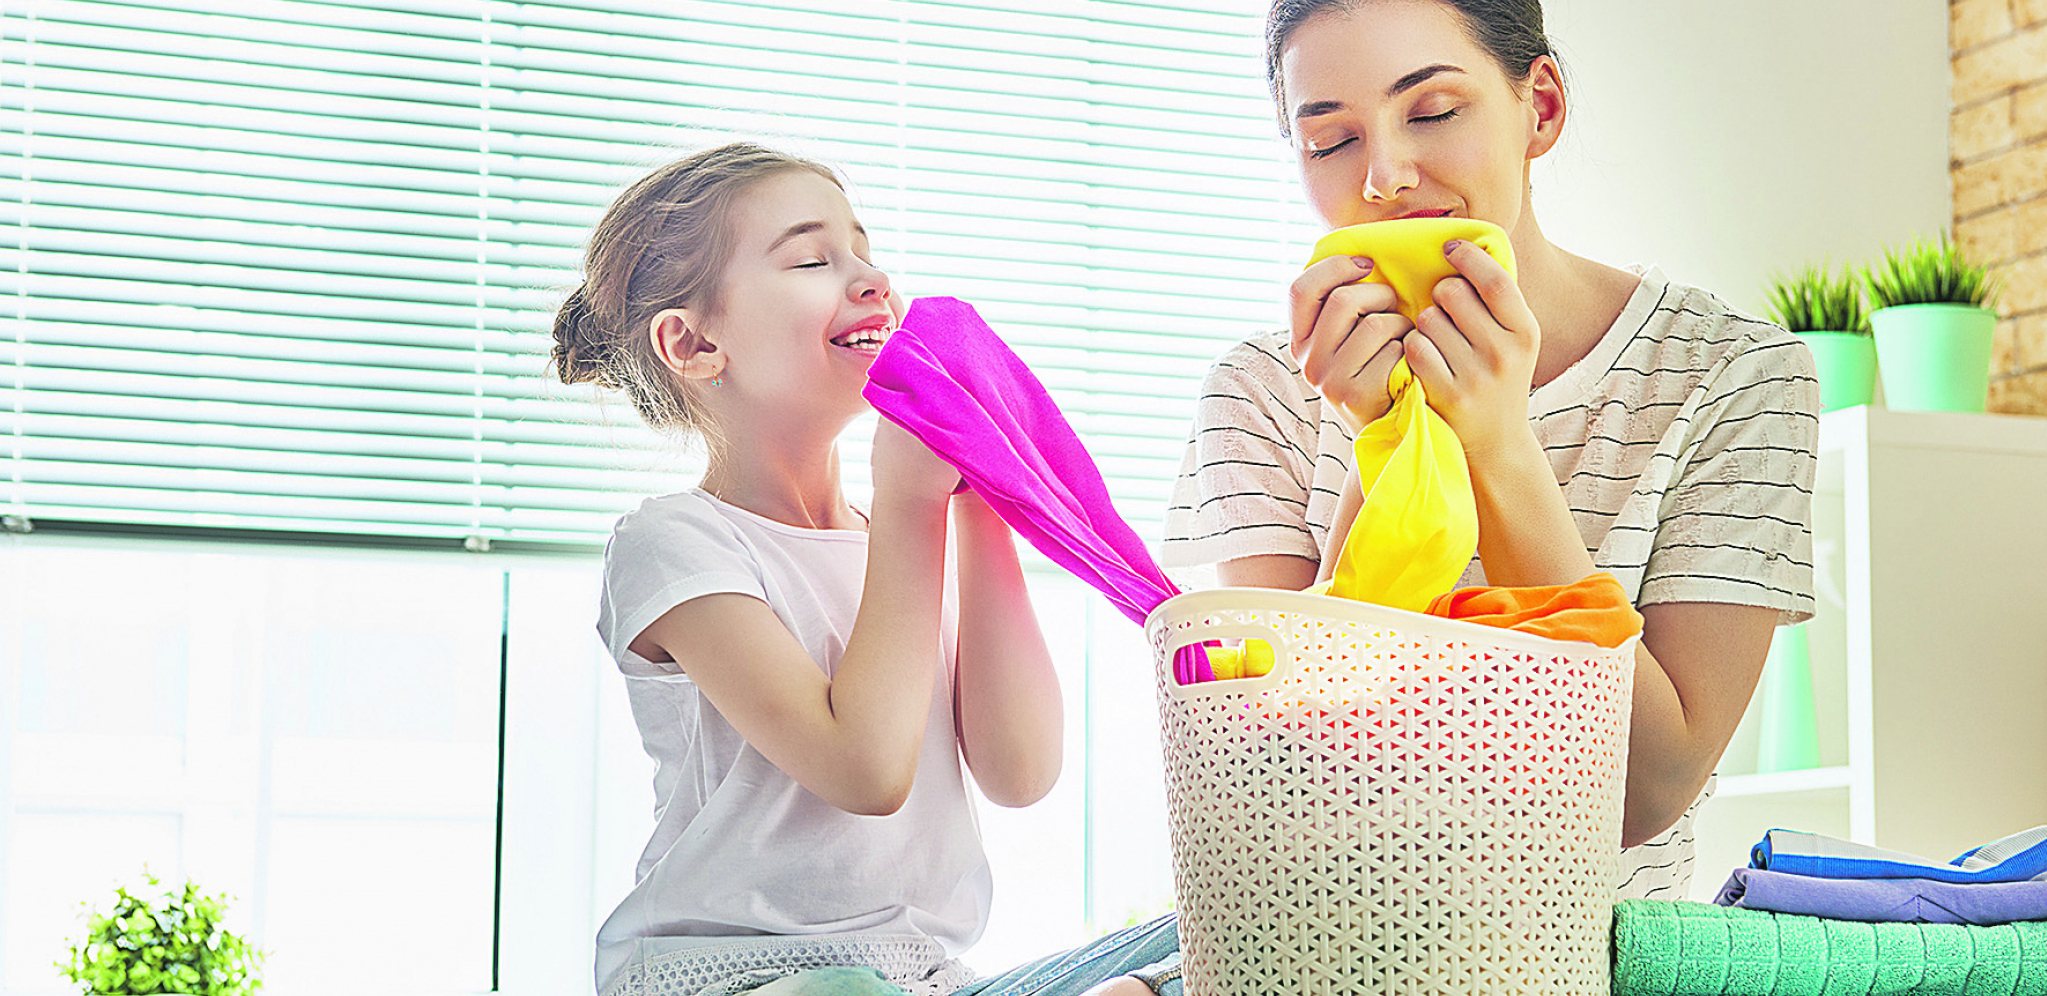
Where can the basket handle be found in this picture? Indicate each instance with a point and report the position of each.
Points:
(1285, 657)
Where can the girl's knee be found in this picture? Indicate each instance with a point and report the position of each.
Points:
(842, 981)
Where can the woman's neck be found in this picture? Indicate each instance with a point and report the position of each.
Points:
(1575, 300)
(796, 484)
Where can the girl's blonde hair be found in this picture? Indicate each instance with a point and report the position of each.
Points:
(664, 243)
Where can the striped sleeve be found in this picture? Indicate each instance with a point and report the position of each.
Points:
(1736, 522)
(1245, 480)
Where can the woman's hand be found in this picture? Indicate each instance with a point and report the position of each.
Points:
(1346, 337)
(1475, 352)
(905, 467)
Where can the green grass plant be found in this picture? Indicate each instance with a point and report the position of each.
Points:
(162, 941)
(1931, 272)
(1818, 300)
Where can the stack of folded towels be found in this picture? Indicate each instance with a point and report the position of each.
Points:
(1817, 916)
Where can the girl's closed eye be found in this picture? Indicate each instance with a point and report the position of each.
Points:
(1434, 118)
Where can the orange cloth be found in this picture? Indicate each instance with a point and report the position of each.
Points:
(1593, 610)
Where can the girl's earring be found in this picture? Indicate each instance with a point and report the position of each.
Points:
(717, 382)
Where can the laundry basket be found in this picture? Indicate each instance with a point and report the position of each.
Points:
(1404, 805)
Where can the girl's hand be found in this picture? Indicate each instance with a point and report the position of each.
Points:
(1346, 337)
(905, 467)
(1475, 352)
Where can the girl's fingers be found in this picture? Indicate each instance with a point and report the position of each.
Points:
(1345, 311)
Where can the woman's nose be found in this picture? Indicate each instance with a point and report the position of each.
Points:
(1388, 172)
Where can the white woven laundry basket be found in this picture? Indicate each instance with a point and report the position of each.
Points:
(1405, 805)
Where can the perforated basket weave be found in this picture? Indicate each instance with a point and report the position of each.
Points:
(1405, 805)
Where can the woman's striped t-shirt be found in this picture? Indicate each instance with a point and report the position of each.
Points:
(1684, 443)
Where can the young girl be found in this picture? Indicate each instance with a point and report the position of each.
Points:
(807, 676)
(1613, 420)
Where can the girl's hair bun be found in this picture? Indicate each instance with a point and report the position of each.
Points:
(579, 341)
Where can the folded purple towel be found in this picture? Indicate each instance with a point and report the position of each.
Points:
(1886, 900)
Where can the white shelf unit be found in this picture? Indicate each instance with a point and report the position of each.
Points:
(1928, 651)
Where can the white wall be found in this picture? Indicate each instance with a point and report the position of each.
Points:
(1726, 140)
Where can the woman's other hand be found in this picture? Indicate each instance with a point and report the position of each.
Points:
(1476, 350)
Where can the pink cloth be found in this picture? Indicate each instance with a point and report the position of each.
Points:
(947, 378)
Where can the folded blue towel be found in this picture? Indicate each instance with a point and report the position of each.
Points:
(2017, 858)
(1886, 900)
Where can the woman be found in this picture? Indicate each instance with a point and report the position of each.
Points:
(1613, 420)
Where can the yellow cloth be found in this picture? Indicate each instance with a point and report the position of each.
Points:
(1252, 660)
(1418, 526)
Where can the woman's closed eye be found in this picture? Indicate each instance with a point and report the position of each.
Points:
(1434, 118)
(1325, 151)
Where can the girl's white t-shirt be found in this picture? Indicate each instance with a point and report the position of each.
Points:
(748, 872)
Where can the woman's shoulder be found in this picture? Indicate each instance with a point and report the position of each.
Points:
(1264, 355)
(1691, 314)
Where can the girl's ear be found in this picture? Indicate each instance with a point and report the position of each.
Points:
(1547, 105)
(684, 348)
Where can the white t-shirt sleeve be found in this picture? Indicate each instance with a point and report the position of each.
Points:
(1244, 484)
(668, 551)
(1736, 523)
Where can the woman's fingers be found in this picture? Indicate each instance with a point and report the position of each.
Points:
(1483, 285)
(1307, 294)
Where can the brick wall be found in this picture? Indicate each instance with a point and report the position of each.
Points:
(1998, 145)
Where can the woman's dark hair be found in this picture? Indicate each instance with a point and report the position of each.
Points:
(1509, 30)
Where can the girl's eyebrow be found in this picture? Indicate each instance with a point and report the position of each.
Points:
(802, 228)
(1400, 86)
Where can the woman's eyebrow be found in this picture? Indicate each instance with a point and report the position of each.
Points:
(1402, 85)
(1420, 76)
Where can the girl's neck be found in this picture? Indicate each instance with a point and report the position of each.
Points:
(1575, 300)
(796, 485)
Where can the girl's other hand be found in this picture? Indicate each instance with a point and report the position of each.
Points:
(905, 467)
(1346, 337)
(1476, 350)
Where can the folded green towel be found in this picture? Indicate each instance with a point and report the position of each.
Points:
(1694, 949)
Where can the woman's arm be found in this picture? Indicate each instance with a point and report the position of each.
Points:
(1006, 693)
(1698, 662)
(853, 737)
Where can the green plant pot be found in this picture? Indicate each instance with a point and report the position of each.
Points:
(1934, 357)
(1847, 367)
(1789, 738)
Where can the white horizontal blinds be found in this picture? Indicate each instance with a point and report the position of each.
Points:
(256, 289)
(1096, 177)
(293, 264)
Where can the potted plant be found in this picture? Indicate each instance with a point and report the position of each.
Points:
(1934, 327)
(163, 941)
(1825, 310)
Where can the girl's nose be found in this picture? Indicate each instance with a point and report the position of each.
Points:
(870, 284)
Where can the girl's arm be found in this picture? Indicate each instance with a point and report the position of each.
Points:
(853, 737)
(1006, 694)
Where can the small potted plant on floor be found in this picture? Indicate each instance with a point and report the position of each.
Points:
(1934, 327)
(1825, 310)
(158, 940)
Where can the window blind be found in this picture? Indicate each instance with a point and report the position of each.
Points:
(292, 265)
